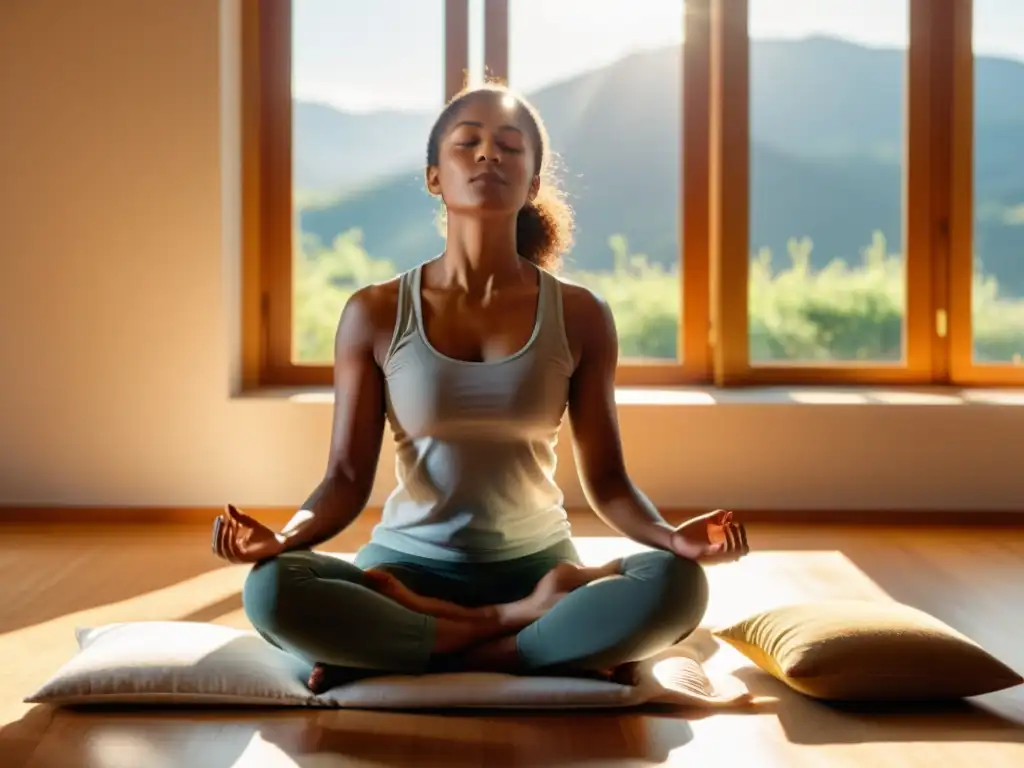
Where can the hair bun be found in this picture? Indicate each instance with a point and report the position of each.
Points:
(544, 228)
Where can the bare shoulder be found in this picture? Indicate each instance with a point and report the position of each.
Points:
(372, 304)
(580, 301)
(588, 318)
(368, 318)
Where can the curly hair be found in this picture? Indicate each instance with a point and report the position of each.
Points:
(544, 227)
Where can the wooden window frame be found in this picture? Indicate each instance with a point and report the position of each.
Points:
(730, 202)
(956, 31)
(714, 200)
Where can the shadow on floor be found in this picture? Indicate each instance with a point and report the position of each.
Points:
(810, 722)
(961, 577)
(215, 610)
(18, 740)
(225, 735)
(241, 737)
(44, 577)
(484, 739)
(980, 602)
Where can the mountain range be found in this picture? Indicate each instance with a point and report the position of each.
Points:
(827, 136)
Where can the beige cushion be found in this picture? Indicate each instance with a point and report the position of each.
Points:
(178, 663)
(859, 650)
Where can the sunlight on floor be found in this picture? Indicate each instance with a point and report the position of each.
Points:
(170, 602)
(759, 581)
(116, 748)
(42, 648)
(762, 579)
(259, 751)
(704, 396)
(905, 397)
(788, 565)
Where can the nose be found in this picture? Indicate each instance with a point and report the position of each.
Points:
(487, 152)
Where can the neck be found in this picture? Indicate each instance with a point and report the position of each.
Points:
(481, 252)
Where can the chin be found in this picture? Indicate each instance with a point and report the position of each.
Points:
(486, 208)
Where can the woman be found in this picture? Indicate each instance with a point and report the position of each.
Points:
(473, 359)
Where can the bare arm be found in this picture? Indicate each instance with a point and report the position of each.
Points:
(356, 433)
(595, 426)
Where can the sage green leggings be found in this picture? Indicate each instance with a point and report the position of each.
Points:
(319, 607)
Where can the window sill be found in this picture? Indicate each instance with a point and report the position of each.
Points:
(905, 397)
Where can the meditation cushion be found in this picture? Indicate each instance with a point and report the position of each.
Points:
(851, 650)
(189, 663)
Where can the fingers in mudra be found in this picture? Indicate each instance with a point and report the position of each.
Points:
(222, 537)
(731, 542)
(240, 517)
(234, 535)
(736, 539)
(713, 536)
(227, 540)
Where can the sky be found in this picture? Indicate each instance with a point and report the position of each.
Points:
(372, 54)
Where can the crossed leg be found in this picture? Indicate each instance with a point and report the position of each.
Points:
(336, 615)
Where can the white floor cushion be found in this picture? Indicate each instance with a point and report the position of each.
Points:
(188, 663)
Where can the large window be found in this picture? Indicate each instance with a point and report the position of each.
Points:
(827, 129)
(786, 191)
(620, 148)
(360, 211)
(989, 140)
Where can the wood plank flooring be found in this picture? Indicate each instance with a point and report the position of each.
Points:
(53, 579)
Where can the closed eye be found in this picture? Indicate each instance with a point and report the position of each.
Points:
(474, 142)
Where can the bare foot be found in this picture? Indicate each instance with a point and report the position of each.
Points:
(625, 674)
(553, 586)
(323, 677)
(711, 537)
(390, 586)
(319, 679)
(564, 578)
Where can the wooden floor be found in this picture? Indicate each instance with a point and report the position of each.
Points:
(53, 580)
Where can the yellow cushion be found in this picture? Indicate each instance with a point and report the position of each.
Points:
(850, 650)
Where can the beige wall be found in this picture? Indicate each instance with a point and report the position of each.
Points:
(118, 290)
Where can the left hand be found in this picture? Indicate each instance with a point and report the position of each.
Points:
(710, 536)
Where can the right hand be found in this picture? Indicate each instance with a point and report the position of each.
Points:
(239, 538)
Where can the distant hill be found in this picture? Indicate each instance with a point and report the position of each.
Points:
(827, 146)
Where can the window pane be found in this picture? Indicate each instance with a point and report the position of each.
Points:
(606, 78)
(998, 286)
(826, 199)
(366, 90)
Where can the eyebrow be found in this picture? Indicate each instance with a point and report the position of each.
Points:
(478, 124)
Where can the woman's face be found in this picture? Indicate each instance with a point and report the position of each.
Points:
(486, 159)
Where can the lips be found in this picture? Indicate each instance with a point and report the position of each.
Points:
(488, 177)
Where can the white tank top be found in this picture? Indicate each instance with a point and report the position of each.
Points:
(475, 441)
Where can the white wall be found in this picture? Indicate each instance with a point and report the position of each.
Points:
(118, 293)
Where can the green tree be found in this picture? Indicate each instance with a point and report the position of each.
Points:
(840, 313)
